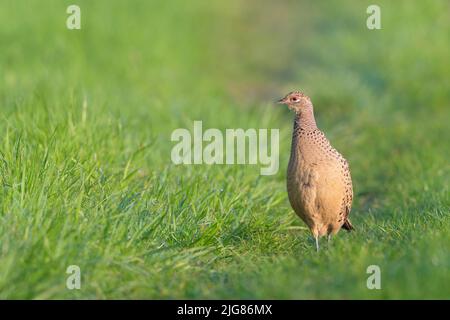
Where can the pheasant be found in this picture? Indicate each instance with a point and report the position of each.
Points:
(319, 184)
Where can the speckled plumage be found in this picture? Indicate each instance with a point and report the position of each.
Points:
(318, 178)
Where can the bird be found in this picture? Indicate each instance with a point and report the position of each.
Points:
(319, 183)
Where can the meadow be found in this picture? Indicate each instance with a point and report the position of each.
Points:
(87, 179)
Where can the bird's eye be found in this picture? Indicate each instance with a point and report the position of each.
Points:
(295, 99)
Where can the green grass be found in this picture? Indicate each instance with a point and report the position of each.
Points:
(85, 169)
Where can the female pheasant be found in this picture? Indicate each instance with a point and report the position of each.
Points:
(319, 184)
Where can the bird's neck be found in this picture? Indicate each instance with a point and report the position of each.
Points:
(304, 119)
(304, 122)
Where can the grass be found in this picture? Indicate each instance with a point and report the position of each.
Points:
(86, 118)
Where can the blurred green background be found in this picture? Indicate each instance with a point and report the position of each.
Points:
(86, 118)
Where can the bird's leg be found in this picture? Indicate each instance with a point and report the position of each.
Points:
(329, 238)
(317, 243)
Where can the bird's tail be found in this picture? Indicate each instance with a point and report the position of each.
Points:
(348, 225)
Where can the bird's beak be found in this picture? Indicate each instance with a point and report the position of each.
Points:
(282, 101)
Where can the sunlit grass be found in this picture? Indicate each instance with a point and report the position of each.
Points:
(86, 118)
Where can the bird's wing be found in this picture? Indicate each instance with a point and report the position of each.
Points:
(348, 197)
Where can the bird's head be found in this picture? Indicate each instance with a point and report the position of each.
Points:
(296, 101)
